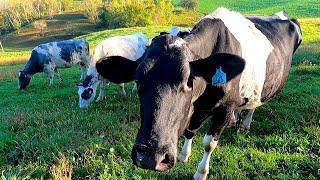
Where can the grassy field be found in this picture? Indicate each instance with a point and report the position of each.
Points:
(44, 134)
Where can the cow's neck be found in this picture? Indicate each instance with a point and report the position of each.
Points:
(31, 68)
(204, 38)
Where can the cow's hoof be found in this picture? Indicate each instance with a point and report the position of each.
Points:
(183, 158)
(199, 176)
(243, 129)
(99, 99)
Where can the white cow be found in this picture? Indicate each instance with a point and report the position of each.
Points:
(131, 47)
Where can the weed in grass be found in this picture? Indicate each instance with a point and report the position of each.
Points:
(62, 170)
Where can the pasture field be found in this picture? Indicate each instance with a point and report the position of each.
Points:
(44, 134)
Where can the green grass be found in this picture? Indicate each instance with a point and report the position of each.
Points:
(43, 131)
(295, 8)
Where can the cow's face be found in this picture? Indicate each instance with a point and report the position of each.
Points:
(168, 84)
(165, 102)
(24, 79)
(87, 92)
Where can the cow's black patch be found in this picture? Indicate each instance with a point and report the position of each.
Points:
(117, 69)
(87, 81)
(87, 93)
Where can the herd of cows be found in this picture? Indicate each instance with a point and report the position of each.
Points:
(227, 63)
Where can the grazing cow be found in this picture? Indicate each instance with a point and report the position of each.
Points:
(50, 56)
(114, 49)
(226, 64)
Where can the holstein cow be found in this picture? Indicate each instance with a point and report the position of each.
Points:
(127, 48)
(50, 56)
(227, 63)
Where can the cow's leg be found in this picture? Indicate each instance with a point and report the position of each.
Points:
(234, 118)
(102, 86)
(221, 119)
(56, 72)
(122, 90)
(83, 70)
(135, 89)
(195, 123)
(247, 121)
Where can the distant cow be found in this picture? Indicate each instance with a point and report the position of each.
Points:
(51, 56)
(115, 49)
(226, 64)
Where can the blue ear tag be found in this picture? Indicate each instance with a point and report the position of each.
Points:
(219, 77)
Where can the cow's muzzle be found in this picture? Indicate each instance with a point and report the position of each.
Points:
(148, 158)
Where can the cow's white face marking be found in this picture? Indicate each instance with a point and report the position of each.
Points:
(203, 168)
(255, 50)
(186, 150)
(178, 43)
(84, 103)
(282, 15)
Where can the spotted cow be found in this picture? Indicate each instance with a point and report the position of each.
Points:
(49, 57)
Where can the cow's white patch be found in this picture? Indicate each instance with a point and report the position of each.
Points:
(178, 43)
(203, 168)
(219, 77)
(41, 50)
(131, 47)
(298, 30)
(282, 15)
(185, 151)
(255, 50)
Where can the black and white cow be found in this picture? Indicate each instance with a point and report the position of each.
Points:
(115, 49)
(50, 56)
(228, 63)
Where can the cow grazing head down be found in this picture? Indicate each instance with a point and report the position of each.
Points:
(166, 87)
(24, 79)
(87, 90)
(116, 69)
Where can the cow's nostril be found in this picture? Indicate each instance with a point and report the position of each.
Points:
(166, 159)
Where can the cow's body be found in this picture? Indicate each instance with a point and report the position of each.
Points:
(51, 56)
(130, 47)
(228, 63)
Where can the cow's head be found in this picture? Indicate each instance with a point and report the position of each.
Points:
(166, 87)
(87, 89)
(24, 79)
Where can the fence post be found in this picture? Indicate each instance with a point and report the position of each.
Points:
(1, 46)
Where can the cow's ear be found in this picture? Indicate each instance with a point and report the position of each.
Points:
(117, 69)
(218, 68)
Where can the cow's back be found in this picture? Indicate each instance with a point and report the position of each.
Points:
(131, 47)
(284, 36)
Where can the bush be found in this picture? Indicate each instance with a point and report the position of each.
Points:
(129, 13)
(92, 8)
(189, 4)
(21, 12)
(41, 27)
(164, 12)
